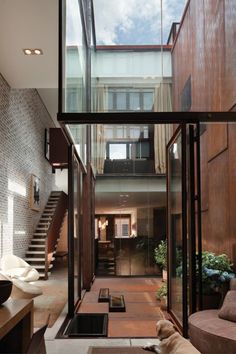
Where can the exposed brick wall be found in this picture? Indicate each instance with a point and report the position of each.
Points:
(23, 119)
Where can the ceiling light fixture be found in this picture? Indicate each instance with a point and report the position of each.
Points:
(38, 51)
(29, 51)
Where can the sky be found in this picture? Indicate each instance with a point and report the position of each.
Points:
(135, 21)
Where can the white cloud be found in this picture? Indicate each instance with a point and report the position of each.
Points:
(123, 15)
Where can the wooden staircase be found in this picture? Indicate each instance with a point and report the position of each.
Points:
(40, 254)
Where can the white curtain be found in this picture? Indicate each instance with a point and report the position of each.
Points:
(162, 132)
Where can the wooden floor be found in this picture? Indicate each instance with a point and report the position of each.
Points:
(142, 308)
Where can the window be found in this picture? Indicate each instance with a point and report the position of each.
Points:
(122, 227)
(128, 99)
(128, 150)
(119, 132)
(128, 142)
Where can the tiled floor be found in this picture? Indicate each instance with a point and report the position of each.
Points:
(142, 308)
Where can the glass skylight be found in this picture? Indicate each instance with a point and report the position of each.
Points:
(135, 22)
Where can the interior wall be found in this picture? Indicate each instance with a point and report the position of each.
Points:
(23, 119)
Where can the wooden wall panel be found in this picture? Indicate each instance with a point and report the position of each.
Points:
(181, 63)
(214, 52)
(197, 54)
(217, 139)
(205, 50)
(218, 220)
(229, 80)
(207, 40)
(232, 188)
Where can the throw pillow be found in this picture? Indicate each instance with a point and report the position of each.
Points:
(228, 309)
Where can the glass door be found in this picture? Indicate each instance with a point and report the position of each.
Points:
(184, 231)
(74, 231)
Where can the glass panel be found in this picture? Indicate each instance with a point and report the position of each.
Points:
(175, 227)
(147, 101)
(132, 80)
(77, 187)
(74, 59)
(130, 197)
(117, 151)
(78, 134)
(138, 23)
(134, 132)
(120, 101)
(134, 101)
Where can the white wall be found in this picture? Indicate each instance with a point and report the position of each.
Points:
(61, 180)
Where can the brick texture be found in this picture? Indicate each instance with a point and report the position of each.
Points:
(23, 119)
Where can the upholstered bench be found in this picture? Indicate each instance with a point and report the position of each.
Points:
(211, 334)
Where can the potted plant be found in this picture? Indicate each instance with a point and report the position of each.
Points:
(162, 296)
(160, 256)
(216, 274)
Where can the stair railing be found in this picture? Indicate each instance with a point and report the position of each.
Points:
(53, 231)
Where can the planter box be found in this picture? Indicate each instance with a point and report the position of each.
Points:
(116, 303)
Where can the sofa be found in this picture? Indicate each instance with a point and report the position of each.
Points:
(214, 331)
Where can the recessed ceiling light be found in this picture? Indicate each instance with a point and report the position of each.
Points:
(27, 51)
(38, 51)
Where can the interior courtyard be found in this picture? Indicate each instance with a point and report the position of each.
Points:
(117, 179)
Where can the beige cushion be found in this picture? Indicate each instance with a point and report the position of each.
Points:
(21, 289)
(23, 273)
(16, 267)
(228, 309)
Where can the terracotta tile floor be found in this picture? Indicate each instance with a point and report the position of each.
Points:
(142, 308)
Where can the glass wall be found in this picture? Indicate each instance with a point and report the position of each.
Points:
(78, 134)
(130, 196)
(77, 230)
(131, 80)
(175, 220)
(74, 59)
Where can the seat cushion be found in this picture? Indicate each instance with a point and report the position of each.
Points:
(23, 290)
(211, 334)
(228, 309)
(23, 273)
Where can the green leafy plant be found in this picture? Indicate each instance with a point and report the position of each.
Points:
(162, 291)
(160, 254)
(216, 272)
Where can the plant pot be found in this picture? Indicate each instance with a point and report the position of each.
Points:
(163, 305)
(164, 275)
(5, 290)
(211, 301)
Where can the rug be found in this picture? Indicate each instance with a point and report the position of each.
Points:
(52, 305)
(53, 299)
(116, 350)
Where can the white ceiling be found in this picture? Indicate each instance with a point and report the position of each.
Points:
(30, 24)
